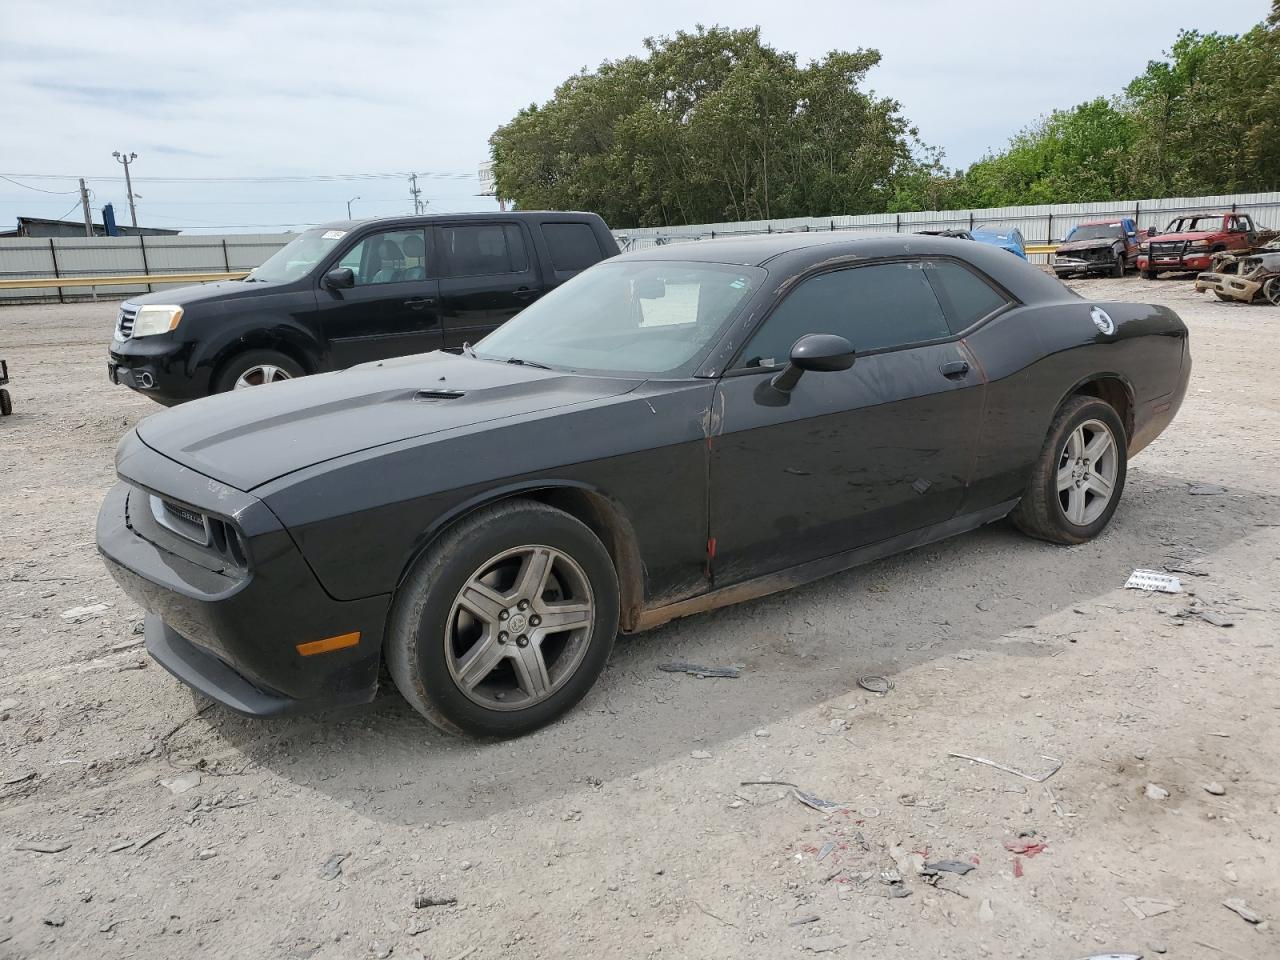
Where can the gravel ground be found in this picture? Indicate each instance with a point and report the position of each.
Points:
(172, 827)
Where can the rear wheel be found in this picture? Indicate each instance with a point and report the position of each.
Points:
(1077, 483)
(255, 368)
(505, 622)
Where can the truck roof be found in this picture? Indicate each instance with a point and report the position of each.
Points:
(560, 216)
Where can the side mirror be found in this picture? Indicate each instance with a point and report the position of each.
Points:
(820, 352)
(340, 279)
(1151, 231)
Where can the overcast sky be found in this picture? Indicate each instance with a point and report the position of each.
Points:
(309, 87)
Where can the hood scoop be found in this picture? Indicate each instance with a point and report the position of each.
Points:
(431, 395)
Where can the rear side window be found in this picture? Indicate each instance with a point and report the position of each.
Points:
(967, 297)
(483, 249)
(573, 246)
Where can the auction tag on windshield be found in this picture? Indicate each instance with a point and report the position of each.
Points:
(333, 235)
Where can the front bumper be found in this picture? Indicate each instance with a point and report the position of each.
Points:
(158, 367)
(1181, 264)
(232, 634)
(1229, 285)
(1067, 268)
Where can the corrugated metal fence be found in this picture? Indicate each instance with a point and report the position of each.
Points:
(1038, 224)
(128, 256)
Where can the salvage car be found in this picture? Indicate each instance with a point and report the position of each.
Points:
(1246, 279)
(675, 429)
(349, 292)
(1189, 242)
(1010, 240)
(1097, 247)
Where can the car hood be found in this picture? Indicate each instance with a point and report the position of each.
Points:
(249, 437)
(1178, 237)
(1076, 246)
(201, 292)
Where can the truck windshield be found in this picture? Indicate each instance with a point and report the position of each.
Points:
(636, 317)
(1194, 225)
(298, 257)
(1095, 231)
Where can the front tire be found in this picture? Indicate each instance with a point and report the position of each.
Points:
(505, 622)
(254, 368)
(1150, 274)
(1077, 482)
(1118, 269)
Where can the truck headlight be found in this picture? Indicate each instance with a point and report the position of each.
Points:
(156, 319)
(1198, 244)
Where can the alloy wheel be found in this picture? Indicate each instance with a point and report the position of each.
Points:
(1271, 290)
(519, 627)
(259, 374)
(1087, 469)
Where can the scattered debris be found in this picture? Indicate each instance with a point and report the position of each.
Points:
(949, 866)
(1156, 792)
(1217, 619)
(1206, 489)
(700, 755)
(985, 913)
(7, 704)
(762, 733)
(207, 854)
(801, 921)
(1237, 905)
(332, 868)
(81, 614)
(1215, 788)
(1145, 907)
(380, 950)
(1153, 580)
(1026, 846)
(697, 670)
(110, 925)
(148, 839)
(19, 778)
(1016, 773)
(874, 683)
(824, 944)
(53, 921)
(39, 846)
(727, 923)
(183, 783)
(826, 850)
(422, 900)
(1117, 956)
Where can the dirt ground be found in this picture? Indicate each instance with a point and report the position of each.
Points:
(177, 828)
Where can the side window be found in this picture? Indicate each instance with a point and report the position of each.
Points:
(516, 247)
(482, 249)
(874, 307)
(967, 296)
(572, 246)
(394, 256)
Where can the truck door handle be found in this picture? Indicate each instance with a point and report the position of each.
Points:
(954, 369)
(524, 293)
(419, 303)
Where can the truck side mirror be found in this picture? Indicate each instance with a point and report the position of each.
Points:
(340, 279)
(1151, 231)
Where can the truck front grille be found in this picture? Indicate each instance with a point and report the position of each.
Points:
(124, 321)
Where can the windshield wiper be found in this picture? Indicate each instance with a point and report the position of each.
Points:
(527, 363)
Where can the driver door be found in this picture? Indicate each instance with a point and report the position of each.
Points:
(848, 457)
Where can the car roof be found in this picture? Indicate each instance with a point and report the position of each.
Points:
(794, 253)
(1110, 221)
(561, 216)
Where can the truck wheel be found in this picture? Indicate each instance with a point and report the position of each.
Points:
(1150, 274)
(254, 368)
(6, 403)
(1271, 290)
(1077, 481)
(1118, 269)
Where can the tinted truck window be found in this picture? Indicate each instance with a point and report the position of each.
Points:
(572, 246)
(480, 250)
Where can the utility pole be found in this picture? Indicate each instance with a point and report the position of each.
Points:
(84, 205)
(126, 159)
(418, 204)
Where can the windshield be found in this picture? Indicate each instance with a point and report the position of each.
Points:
(299, 256)
(1095, 231)
(645, 317)
(1195, 225)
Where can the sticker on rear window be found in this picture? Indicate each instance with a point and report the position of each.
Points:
(333, 235)
(738, 284)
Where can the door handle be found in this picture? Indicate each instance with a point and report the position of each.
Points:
(954, 369)
(418, 303)
(524, 293)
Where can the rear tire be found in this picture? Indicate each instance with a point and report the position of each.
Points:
(255, 367)
(1076, 484)
(505, 622)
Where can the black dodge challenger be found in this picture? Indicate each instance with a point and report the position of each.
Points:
(673, 430)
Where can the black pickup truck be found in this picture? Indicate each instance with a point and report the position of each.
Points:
(350, 292)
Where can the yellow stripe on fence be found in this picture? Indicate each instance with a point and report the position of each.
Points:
(134, 280)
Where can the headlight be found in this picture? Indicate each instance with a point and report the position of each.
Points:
(1144, 248)
(1198, 244)
(156, 319)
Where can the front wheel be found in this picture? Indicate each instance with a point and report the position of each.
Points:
(1117, 270)
(1150, 274)
(254, 368)
(505, 622)
(1077, 482)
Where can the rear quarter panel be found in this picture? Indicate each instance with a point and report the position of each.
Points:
(1034, 358)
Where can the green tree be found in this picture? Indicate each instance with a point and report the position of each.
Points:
(709, 125)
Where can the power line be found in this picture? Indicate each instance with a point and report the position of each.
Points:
(27, 186)
(299, 178)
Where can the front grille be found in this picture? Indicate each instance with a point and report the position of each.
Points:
(1097, 255)
(124, 321)
(1171, 250)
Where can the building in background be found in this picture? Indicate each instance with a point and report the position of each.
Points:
(40, 227)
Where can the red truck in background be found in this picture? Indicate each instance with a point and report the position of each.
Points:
(1190, 241)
